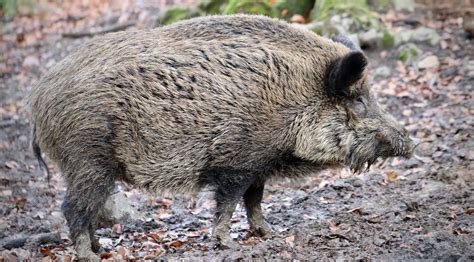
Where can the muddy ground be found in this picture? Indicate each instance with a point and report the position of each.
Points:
(422, 208)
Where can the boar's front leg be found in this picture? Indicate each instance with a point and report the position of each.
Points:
(230, 186)
(252, 199)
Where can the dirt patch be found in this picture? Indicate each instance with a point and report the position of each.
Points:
(420, 208)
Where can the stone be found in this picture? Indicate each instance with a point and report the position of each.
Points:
(354, 38)
(118, 210)
(421, 34)
(382, 72)
(408, 5)
(428, 62)
(343, 23)
(31, 62)
(313, 26)
(424, 34)
(371, 38)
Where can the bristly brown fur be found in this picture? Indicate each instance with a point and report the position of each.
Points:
(216, 101)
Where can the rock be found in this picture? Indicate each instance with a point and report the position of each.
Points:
(403, 37)
(421, 34)
(429, 35)
(451, 71)
(31, 62)
(382, 72)
(334, 26)
(408, 5)
(370, 39)
(313, 26)
(344, 24)
(354, 38)
(118, 210)
(379, 241)
(348, 23)
(428, 62)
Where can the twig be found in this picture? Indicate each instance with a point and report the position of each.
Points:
(113, 28)
(19, 241)
(7, 123)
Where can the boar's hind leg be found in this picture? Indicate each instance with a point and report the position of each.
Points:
(252, 199)
(230, 187)
(87, 191)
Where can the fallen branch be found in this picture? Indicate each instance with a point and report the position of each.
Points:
(21, 240)
(7, 123)
(113, 28)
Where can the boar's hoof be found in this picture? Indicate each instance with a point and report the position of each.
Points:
(90, 257)
(95, 245)
(83, 248)
(263, 230)
(225, 242)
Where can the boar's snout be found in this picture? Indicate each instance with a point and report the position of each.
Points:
(395, 141)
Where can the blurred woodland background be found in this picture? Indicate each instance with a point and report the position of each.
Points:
(421, 57)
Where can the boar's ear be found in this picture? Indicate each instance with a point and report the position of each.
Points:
(344, 72)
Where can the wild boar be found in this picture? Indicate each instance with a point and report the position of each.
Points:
(224, 102)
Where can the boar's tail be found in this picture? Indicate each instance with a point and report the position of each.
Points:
(37, 154)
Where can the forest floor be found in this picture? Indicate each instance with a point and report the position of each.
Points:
(421, 208)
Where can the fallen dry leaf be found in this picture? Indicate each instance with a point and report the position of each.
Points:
(46, 252)
(151, 256)
(20, 203)
(290, 240)
(252, 240)
(156, 236)
(163, 214)
(332, 225)
(192, 234)
(416, 230)
(46, 259)
(204, 229)
(357, 210)
(391, 176)
(117, 229)
(122, 251)
(175, 244)
(67, 258)
(166, 202)
(461, 231)
(12, 165)
(469, 211)
(323, 183)
(105, 255)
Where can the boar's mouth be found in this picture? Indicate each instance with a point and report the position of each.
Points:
(363, 154)
(359, 158)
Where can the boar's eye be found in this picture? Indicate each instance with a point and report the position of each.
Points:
(358, 106)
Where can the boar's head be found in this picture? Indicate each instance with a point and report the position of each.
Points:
(347, 126)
